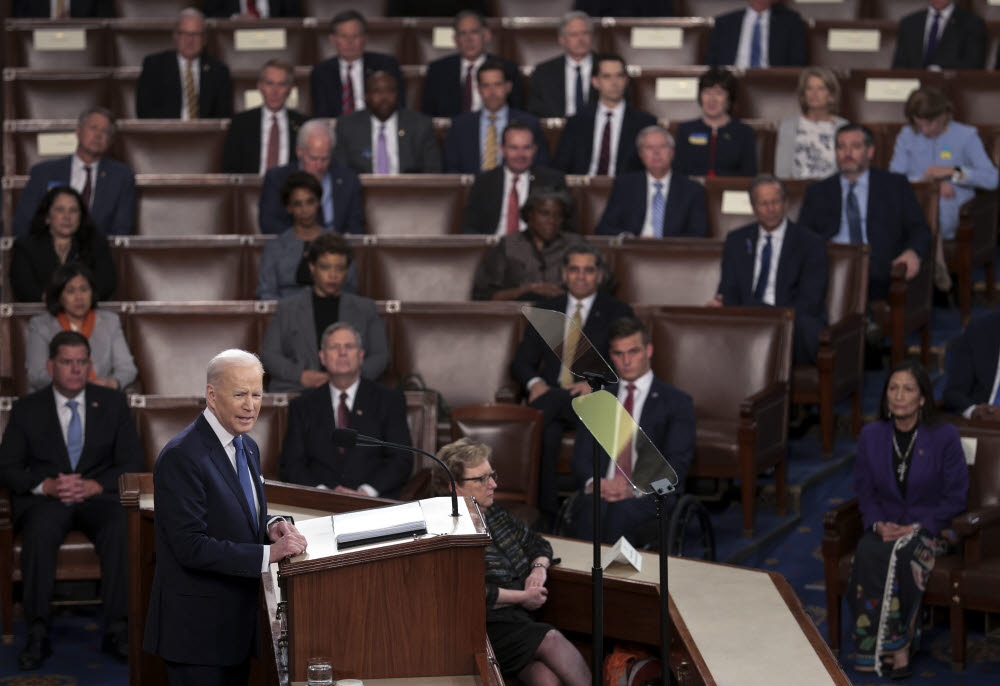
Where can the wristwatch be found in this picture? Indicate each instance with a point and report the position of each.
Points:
(539, 564)
(957, 175)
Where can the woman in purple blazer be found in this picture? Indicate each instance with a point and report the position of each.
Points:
(911, 480)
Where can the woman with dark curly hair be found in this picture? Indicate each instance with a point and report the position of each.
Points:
(61, 232)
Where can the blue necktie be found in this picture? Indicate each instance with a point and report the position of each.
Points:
(755, 46)
(765, 269)
(854, 216)
(996, 398)
(579, 90)
(932, 39)
(658, 209)
(74, 435)
(243, 470)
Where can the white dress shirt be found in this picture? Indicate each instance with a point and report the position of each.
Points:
(993, 392)
(354, 73)
(617, 116)
(585, 305)
(265, 135)
(942, 22)
(226, 439)
(647, 224)
(477, 100)
(78, 177)
(642, 385)
(391, 141)
(352, 393)
(523, 183)
(777, 238)
(746, 38)
(586, 66)
(65, 415)
(196, 74)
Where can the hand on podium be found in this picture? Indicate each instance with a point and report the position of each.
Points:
(286, 541)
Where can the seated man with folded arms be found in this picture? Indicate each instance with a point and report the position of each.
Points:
(665, 414)
(294, 335)
(973, 386)
(550, 387)
(655, 203)
(779, 263)
(347, 401)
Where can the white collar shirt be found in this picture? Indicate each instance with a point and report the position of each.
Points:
(746, 38)
(777, 239)
(266, 116)
(523, 183)
(586, 68)
(648, 230)
(600, 120)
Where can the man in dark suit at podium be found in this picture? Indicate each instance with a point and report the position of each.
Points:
(348, 402)
(213, 536)
(664, 413)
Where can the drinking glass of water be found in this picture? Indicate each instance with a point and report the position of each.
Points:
(319, 672)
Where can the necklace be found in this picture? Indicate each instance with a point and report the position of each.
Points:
(903, 456)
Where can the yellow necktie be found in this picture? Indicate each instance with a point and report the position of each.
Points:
(566, 378)
(190, 92)
(490, 153)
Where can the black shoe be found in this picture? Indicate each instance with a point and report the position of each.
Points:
(116, 644)
(35, 652)
(901, 673)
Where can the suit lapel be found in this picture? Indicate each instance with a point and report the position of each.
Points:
(366, 137)
(403, 138)
(93, 427)
(59, 439)
(746, 272)
(789, 253)
(220, 460)
(254, 140)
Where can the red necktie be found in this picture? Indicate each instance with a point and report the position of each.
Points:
(711, 154)
(513, 208)
(273, 144)
(467, 90)
(625, 458)
(347, 94)
(252, 8)
(343, 415)
(605, 159)
(88, 189)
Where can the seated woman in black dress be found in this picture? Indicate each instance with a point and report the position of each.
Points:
(716, 144)
(517, 563)
(61, 232)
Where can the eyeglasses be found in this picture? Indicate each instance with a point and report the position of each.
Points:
(483, 480)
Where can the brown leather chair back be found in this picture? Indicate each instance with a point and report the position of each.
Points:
(172, 147)
(19, 36)
(768, 94)
(894, 9)
(620, 39)
(671, 95)
(414, 204)
(974, 95)
(820, 53)
(298, 48)
(15, 319)
(847, 285)
(21, 144)
(672, 271)
(133, 41)
(856, 106)
(846, 9)
(422, 269)
(61, 95)
(531, 41)
(514, 435)
(422, 418)
(720, 356)
(123, 86)
(195, 206)
(590, 197)
(143, 9)
(727, 204)
(183, 270)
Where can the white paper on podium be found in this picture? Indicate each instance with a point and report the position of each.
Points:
(396, 520)
(622, 551)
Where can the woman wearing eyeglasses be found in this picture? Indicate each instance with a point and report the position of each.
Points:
(517, 563)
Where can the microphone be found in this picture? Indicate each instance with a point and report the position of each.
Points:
(348, 438)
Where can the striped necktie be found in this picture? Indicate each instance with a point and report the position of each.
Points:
(490, 151)
(190, 92)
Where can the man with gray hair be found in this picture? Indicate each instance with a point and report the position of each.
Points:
(340, 207)
(655, 203)
(348, 401)
(184, 83)
(560, 87)
(214, 538)
(106, 185)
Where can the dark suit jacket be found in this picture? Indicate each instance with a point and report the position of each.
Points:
(936, 488)
(348, 210)
(276, 8)
(33, 448)
(208, 557)
(668, 421)
(962, 44)
(547, 96)
(158, 93)
(972, 364)
(482, 211)
(576, 145)
(895, 221)
(625, 8)
(42, 9)
(442, 95)
(242, 154)
(535, 358)
(326, 88)
(625, 212)
(799, 283)
(786, 43)
(308, 456)
(461, 147)
(419, 151)
(735, 149)
(34, 260)
(113, 207)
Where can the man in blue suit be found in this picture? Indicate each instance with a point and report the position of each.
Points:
(763, 35)
(449, 88)
(337, 84)
(108, 184)
(214, 538)
(665, 414)
(471, 146)
(778, 263)
(861, 204)
(971, 389)
(655, 203)
(341, 202)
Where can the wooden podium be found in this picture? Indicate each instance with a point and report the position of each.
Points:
(395, 609)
